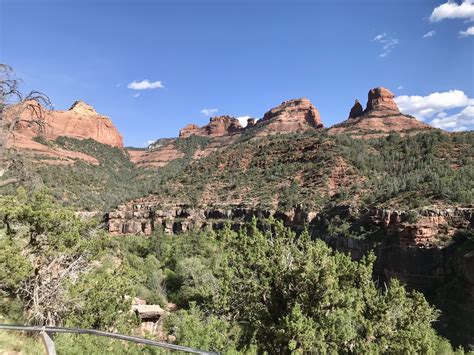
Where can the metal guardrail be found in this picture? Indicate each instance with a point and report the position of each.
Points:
(50, 349)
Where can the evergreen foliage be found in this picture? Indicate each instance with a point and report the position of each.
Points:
(259, 289)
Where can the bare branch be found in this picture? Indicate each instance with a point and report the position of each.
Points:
(8, 182)
(14, 110)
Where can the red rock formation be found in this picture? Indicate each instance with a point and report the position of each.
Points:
(189, 130)
(295, 111)
(222, 125)
(80, 121)
(381, 117)
(381, 99)
(218, 126)
(356, 110)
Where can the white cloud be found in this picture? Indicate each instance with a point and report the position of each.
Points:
(453, 10)
(243, 120)
(145, 84)
(434, 107)
(427, 106)
(429, 34)
(468, 32)
(461, 121)
(400, 87)
(136, 95)
(209, 111)
(387, 42)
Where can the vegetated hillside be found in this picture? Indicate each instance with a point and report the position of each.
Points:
(313, 169)
(309, 169)
(101, 185)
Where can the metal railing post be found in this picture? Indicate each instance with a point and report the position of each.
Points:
(48, 342)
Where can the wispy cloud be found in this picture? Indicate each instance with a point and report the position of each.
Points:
(380, 37)
(209, 111)
(145, 85)
(136, 95)
(387, 42)
(434, 108)
(453, 10)
(468, 32)
(429, 34)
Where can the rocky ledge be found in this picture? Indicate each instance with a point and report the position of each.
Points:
(422, 228)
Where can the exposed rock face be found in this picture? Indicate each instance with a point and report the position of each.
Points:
(380, 118)
(189, 130)
(83, 122)
(293, 115)
(356, 110)
(411, 228)
(82, 108)
(381, 99)
(144, 215)
(80, 121)
(251, 122)
(218, 126)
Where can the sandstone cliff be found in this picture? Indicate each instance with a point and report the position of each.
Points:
(81, 121)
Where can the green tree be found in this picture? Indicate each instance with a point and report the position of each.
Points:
(293, 293)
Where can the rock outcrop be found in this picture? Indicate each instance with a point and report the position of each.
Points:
(411, 228)
(218, 126)
(357, 110)
(251, 122)
(381, 99)
(380, 118)
(291, 116)
(81, 121)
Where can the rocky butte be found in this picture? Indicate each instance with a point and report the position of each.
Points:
(380, 117)
(292, 116)
(81, 121)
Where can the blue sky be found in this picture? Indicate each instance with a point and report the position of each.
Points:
(241, 57)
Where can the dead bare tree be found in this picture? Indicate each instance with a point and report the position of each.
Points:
(13, 102)
(45, 295)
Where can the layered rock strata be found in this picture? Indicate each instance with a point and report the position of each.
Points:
(30, 120)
